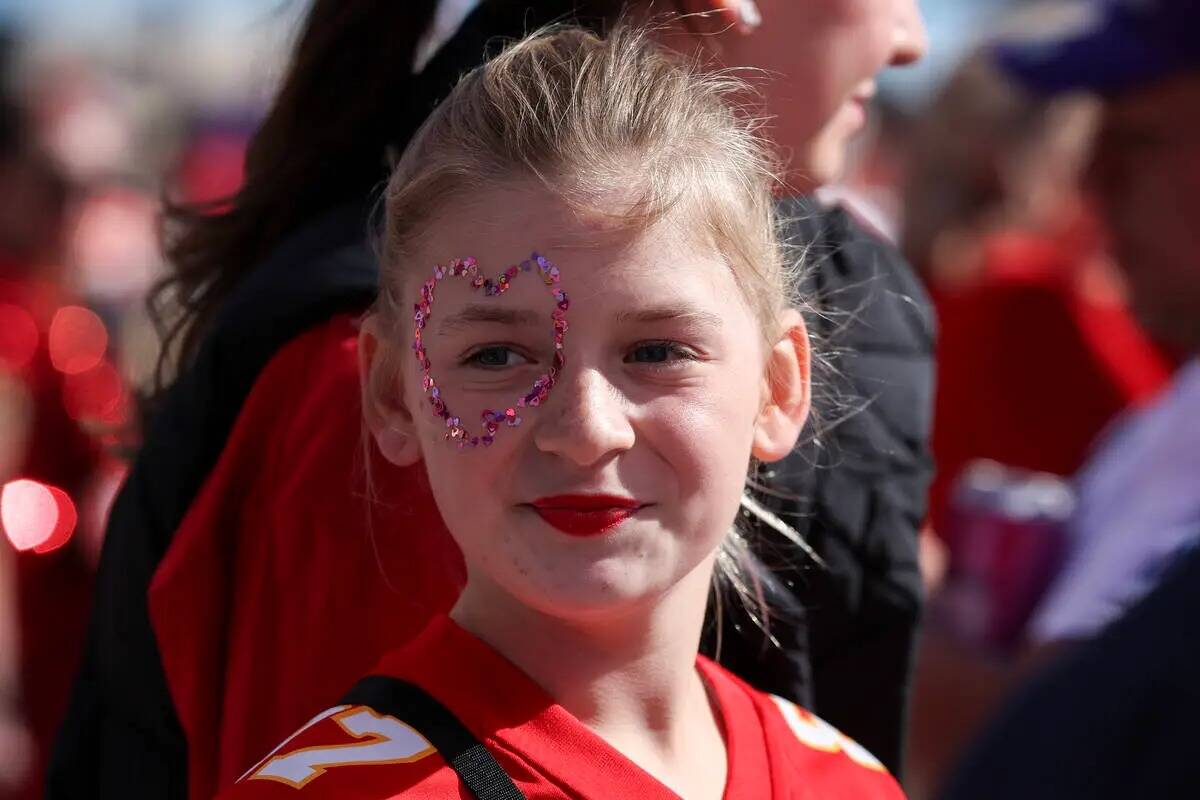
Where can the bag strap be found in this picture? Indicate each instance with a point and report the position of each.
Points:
(465, 754)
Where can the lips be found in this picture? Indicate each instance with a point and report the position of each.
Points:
(586, 515)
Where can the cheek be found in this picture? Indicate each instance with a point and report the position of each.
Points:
(470, 490)
(706, 438)
(853, 54)
(819, 67)
(457, 475)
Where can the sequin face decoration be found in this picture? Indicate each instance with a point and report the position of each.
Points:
(468, 270)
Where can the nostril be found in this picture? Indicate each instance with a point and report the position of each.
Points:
(910, 39)
(907, 49)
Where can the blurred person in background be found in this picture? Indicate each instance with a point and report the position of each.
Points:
(49, 347)
(1049, 302)
(220, 579)
(1138, 504)
(997, 225)
(1114, 713)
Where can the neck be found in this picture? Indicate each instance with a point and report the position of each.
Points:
(619, 672)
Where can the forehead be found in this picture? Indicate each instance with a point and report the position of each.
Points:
(524, 211)
(595, 249)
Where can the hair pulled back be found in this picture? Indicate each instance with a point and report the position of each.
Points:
(590, 118)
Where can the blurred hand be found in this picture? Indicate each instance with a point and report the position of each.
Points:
(934, 559)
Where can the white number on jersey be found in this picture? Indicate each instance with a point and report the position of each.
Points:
(820, 735)
(386, 740)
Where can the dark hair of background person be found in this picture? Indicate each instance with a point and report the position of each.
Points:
(319, 145)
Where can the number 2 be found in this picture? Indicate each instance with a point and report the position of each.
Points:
(386, 740)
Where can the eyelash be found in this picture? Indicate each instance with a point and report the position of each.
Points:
(676, 353)
(679, 351)
(471, 358)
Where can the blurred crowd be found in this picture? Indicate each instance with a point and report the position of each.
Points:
(984, 184)
(87, 153)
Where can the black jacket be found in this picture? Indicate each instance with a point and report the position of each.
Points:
(850, 659)
(856, 489)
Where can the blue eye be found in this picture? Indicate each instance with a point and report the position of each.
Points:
(495, 356)
(659, 353)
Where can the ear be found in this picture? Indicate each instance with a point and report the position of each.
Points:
(381, 382)
(787, 390)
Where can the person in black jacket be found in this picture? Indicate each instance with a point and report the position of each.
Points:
(290, 251)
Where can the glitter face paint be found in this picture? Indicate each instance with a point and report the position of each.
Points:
(468, 269)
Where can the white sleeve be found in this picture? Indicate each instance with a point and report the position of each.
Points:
(1139, 506)
(1104, 579)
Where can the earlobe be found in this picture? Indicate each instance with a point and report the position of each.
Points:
(787, 388)
(397, 446)
(381, 386)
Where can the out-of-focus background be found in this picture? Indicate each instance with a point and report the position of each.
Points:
(108, 106)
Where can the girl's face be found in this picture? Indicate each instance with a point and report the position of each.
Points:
(821, 58)
(627, 476)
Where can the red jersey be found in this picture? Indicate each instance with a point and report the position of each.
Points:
(286, 506)
(776, 750)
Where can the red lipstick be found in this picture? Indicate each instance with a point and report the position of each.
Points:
(585, 514)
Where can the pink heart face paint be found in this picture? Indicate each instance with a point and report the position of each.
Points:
(468, 269)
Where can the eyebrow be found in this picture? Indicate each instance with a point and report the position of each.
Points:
(670, 314)
(479, 313)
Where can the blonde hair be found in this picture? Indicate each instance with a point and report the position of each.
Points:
(590, 118)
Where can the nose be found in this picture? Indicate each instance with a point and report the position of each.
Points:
(910, 39)
(585, 419)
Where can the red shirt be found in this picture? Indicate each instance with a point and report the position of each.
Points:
(775, 749)
(281, 552)
(1032, 363)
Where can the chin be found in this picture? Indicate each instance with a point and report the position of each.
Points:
(824, 163)
(587, 604)
(603, 589)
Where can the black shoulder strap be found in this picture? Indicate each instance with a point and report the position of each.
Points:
(411, 704)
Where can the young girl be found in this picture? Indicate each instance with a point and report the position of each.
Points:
(248, 483)
(585, 336)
